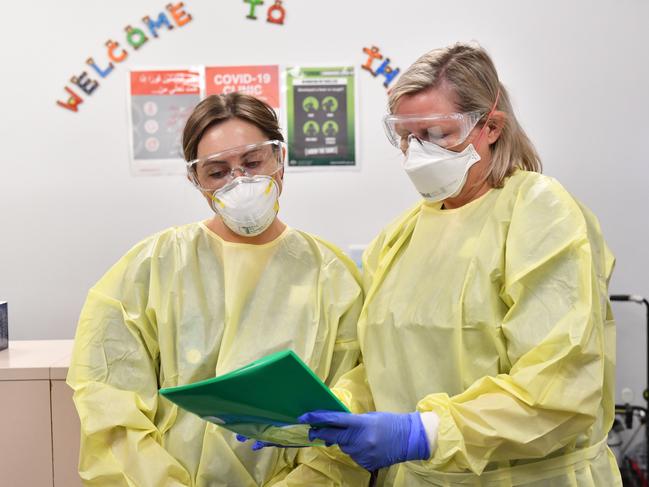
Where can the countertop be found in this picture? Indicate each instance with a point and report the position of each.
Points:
(35, 360)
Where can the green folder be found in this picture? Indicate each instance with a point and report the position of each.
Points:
(261, 400)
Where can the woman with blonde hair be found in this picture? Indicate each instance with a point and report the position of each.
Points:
(486, 333)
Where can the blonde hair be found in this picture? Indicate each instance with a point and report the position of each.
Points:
(471, 75)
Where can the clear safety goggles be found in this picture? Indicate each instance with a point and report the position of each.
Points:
(446, 130)
(214, 171)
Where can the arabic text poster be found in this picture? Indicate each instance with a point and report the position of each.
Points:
(160, 103)
(321, 116)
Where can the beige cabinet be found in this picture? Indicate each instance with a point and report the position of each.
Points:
(39, 427)
(25, 433)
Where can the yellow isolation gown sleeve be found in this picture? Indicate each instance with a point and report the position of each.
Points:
(345, 354)
(114, 373)
(495, 316)
(183, 306)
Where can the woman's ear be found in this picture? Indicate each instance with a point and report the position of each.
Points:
(495, 126)
(279, 178)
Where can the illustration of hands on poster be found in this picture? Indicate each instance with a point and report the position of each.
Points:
(321, 118)
(159, 103)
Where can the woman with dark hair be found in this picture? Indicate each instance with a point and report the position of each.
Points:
(201, 300)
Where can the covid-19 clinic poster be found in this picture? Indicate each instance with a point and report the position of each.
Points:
(259, 81)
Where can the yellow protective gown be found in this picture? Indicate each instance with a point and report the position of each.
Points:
(496, 317)
(183, 306)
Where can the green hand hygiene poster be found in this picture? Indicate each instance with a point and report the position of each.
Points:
(321, 117)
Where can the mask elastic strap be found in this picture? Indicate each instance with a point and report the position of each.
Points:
(493, 108)
(216, 200)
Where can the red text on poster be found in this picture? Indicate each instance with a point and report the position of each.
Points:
(172, 82)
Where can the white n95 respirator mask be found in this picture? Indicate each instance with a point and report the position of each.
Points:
(247, 205)
(437, 173)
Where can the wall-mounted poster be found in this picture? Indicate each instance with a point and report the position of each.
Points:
(160, 102)
(321, 120)
(259, 81)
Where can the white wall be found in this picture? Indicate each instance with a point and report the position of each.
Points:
(577, 72)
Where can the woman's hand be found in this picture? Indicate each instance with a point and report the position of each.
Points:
(373, 440)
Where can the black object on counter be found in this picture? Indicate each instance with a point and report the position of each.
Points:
(4, 326)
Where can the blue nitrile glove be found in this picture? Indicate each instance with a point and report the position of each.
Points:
(373, 440)
(258, 445)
